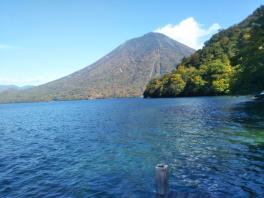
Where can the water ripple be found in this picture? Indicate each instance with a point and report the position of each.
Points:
(109, 148)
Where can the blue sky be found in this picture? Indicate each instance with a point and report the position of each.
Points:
(44, 40)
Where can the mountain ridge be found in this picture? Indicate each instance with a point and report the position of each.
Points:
(7, 88)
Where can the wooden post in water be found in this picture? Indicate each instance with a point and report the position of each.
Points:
(162, 178)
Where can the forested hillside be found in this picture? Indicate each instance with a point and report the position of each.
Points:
(231, 62)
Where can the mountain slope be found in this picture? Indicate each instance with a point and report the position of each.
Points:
(232, 61)
(124, 72)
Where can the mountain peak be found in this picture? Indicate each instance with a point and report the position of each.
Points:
(154, 34)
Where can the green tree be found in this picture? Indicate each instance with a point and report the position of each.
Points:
(176, 85)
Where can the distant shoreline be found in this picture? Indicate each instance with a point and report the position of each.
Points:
(113, 98)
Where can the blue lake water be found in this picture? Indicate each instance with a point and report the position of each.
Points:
(109, 148)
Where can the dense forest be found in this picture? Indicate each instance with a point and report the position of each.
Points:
(231, 62)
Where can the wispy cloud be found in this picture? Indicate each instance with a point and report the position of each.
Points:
(37, 80)
(189, 32)
(4, 46)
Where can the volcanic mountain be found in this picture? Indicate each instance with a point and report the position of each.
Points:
(124, 72)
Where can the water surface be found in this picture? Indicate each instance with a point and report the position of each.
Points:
(109, 148)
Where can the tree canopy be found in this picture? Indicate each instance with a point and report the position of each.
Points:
(231, 62)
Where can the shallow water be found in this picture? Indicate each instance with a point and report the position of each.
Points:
(109, 148)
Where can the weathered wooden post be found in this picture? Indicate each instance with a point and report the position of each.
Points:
(162, 178)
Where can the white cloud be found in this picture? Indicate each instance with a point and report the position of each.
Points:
(189, 32)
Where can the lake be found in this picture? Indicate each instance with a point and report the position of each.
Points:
(109, 148)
